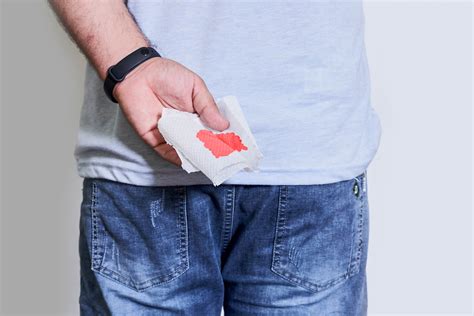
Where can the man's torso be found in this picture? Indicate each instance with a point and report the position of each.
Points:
(298, 69)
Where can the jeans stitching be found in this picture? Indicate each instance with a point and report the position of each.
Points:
(228, 216)
(183, 229)
(355, 265)
(280, 226)
(291, 277)
(96, 256)
(174, 273)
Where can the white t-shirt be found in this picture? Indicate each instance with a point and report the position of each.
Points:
(298, 69)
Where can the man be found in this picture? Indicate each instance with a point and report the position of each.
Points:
(291, 239)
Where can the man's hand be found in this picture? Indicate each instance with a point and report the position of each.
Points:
(159, 83)
(105, 32)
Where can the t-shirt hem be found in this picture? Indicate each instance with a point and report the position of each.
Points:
(176, 178)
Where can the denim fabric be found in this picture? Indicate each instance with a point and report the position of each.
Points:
(252, 249)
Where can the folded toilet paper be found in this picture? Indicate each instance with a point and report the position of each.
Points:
(219, 155)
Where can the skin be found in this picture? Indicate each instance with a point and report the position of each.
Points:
(105, 32)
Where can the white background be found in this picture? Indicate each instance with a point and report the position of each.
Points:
(420, 188)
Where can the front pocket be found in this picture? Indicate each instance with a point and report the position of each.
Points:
(320, 234)
(139, 234)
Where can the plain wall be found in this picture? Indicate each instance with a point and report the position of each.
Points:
(420, 188)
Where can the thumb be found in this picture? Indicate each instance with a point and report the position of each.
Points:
(206, 107)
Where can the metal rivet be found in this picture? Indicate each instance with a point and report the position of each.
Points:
(355, 189)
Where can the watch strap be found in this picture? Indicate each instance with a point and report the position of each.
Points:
(119, 71)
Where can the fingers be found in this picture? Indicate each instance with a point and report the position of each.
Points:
(158, 143)
(153, 138)
(168, 153)
(206, 107)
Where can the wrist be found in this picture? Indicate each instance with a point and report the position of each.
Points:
(116, 54)
(119, 71)
(137, 71)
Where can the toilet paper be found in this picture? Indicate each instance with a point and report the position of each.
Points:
(218, 155)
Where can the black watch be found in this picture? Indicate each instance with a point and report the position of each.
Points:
(118, 72)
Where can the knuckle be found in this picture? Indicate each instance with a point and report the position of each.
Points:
(200, 82)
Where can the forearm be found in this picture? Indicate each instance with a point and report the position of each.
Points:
(103, 29)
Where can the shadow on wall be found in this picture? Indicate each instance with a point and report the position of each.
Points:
(42, 79)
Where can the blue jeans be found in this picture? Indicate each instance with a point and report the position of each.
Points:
(253, 250)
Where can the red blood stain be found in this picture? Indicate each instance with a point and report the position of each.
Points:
(221, 144)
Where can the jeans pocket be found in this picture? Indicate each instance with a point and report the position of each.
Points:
(138, 235)
(321, 233)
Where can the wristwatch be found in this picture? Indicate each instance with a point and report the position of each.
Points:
(118, 72)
